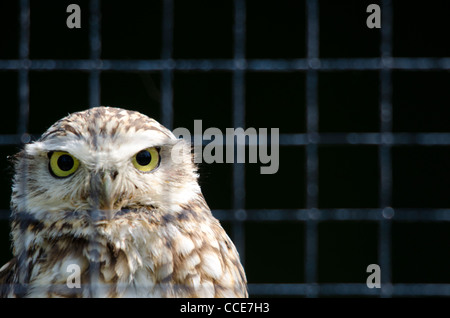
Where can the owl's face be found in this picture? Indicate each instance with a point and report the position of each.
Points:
(104, 161)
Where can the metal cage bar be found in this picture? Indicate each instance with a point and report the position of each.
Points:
(384, 244)
(167, 72)
(254, 65)
(312, 157)
(238, 87)
(95, 47)
(24, 49)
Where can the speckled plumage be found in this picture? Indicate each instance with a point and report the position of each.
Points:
(132, 234)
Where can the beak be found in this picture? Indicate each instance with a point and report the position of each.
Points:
(102, 195)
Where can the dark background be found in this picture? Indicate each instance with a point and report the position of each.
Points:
(348, 102)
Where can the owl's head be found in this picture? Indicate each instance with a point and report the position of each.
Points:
(104, 160)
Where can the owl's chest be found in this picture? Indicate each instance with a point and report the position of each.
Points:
(114, 265)
(133, 265)
(133, 261)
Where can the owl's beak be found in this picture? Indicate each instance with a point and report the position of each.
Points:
(102, 195)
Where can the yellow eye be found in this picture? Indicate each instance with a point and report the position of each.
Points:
(146, 160)
(62, 164)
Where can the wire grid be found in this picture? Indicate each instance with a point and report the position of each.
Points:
(239, 65)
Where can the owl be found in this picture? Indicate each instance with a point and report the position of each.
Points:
(106, 203)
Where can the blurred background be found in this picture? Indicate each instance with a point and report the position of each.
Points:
(292, 241)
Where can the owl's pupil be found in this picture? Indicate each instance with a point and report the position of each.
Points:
(65, 162)
(143, 157)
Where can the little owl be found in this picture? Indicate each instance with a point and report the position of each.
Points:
(106, 204)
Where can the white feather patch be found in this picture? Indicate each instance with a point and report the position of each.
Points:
(211, 265)
(184, 245)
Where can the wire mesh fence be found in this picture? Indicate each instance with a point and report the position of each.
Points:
(310, 140)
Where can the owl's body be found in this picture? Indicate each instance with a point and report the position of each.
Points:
(130, 224)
